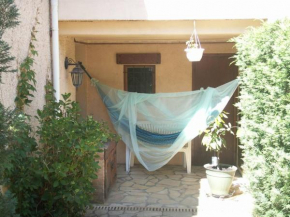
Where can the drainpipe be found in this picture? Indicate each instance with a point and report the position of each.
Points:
(55, 48)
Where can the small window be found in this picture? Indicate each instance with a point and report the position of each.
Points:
(140, 79)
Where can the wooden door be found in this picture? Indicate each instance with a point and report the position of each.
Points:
(214, 70)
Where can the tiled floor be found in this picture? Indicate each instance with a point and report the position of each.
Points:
(170, 191)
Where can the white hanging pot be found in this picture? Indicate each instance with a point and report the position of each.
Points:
(194, 54)
(194, 51)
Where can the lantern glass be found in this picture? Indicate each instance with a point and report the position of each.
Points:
(77, 76)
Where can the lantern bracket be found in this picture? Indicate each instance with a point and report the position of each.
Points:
(70, 62)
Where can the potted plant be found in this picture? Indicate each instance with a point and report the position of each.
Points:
(193, 51)
(219, 176)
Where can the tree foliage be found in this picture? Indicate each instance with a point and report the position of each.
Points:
(213, 138)
(14, 135)
(8, 19)
(263, 57)
(8, 204)
(11, 122)
(56, 179)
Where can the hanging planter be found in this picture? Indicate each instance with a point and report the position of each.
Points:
(194, 51)
(194, 54)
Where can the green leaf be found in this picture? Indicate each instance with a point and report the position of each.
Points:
(55, 184)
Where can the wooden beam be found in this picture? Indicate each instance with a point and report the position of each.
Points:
(139, 58)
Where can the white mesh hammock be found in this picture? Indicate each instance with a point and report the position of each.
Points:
(156, 126)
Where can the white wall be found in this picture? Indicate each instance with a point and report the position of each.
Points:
(171, 9)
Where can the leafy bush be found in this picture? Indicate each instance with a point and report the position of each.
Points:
(16, 147)
(213, 138)
(15, 143)
(10, 121)
(14, 139)
(263, 57)
(8, 19)
(56, 179)
(7, 205)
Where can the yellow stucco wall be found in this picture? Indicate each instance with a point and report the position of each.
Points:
(19, 39)
(174, 74)
(66, 49)
(81, 92)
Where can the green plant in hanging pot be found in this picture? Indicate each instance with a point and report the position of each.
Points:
(220, 176)
(191, 44)
(193, 51)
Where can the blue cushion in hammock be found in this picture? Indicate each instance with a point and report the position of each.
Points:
(142, 135)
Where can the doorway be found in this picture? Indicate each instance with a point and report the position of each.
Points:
(212, 71)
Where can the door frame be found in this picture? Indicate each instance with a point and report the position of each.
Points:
(235, 114)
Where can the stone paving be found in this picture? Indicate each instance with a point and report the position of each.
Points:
(170, 192)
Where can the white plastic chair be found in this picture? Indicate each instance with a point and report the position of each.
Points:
(159, 129)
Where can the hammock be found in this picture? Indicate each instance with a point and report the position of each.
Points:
(156, 126)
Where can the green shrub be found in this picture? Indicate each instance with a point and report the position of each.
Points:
(56, 180)
(213, 138)
(7, 205)
(8, 19)
(263, 57)
(12, 124)
(10, 121)
(14, 139)
(15, 144)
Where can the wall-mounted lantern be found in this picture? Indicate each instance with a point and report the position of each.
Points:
(77, 72)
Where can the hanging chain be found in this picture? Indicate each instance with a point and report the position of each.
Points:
(195, 36)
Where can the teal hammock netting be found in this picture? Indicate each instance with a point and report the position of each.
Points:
(156, 126)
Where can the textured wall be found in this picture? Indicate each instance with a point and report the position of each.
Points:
(66, 49)
(19, 39)
(174, 74)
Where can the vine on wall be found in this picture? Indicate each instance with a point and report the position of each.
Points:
(26, 81)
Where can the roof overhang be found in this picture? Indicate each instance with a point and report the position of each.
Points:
(178, 31)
